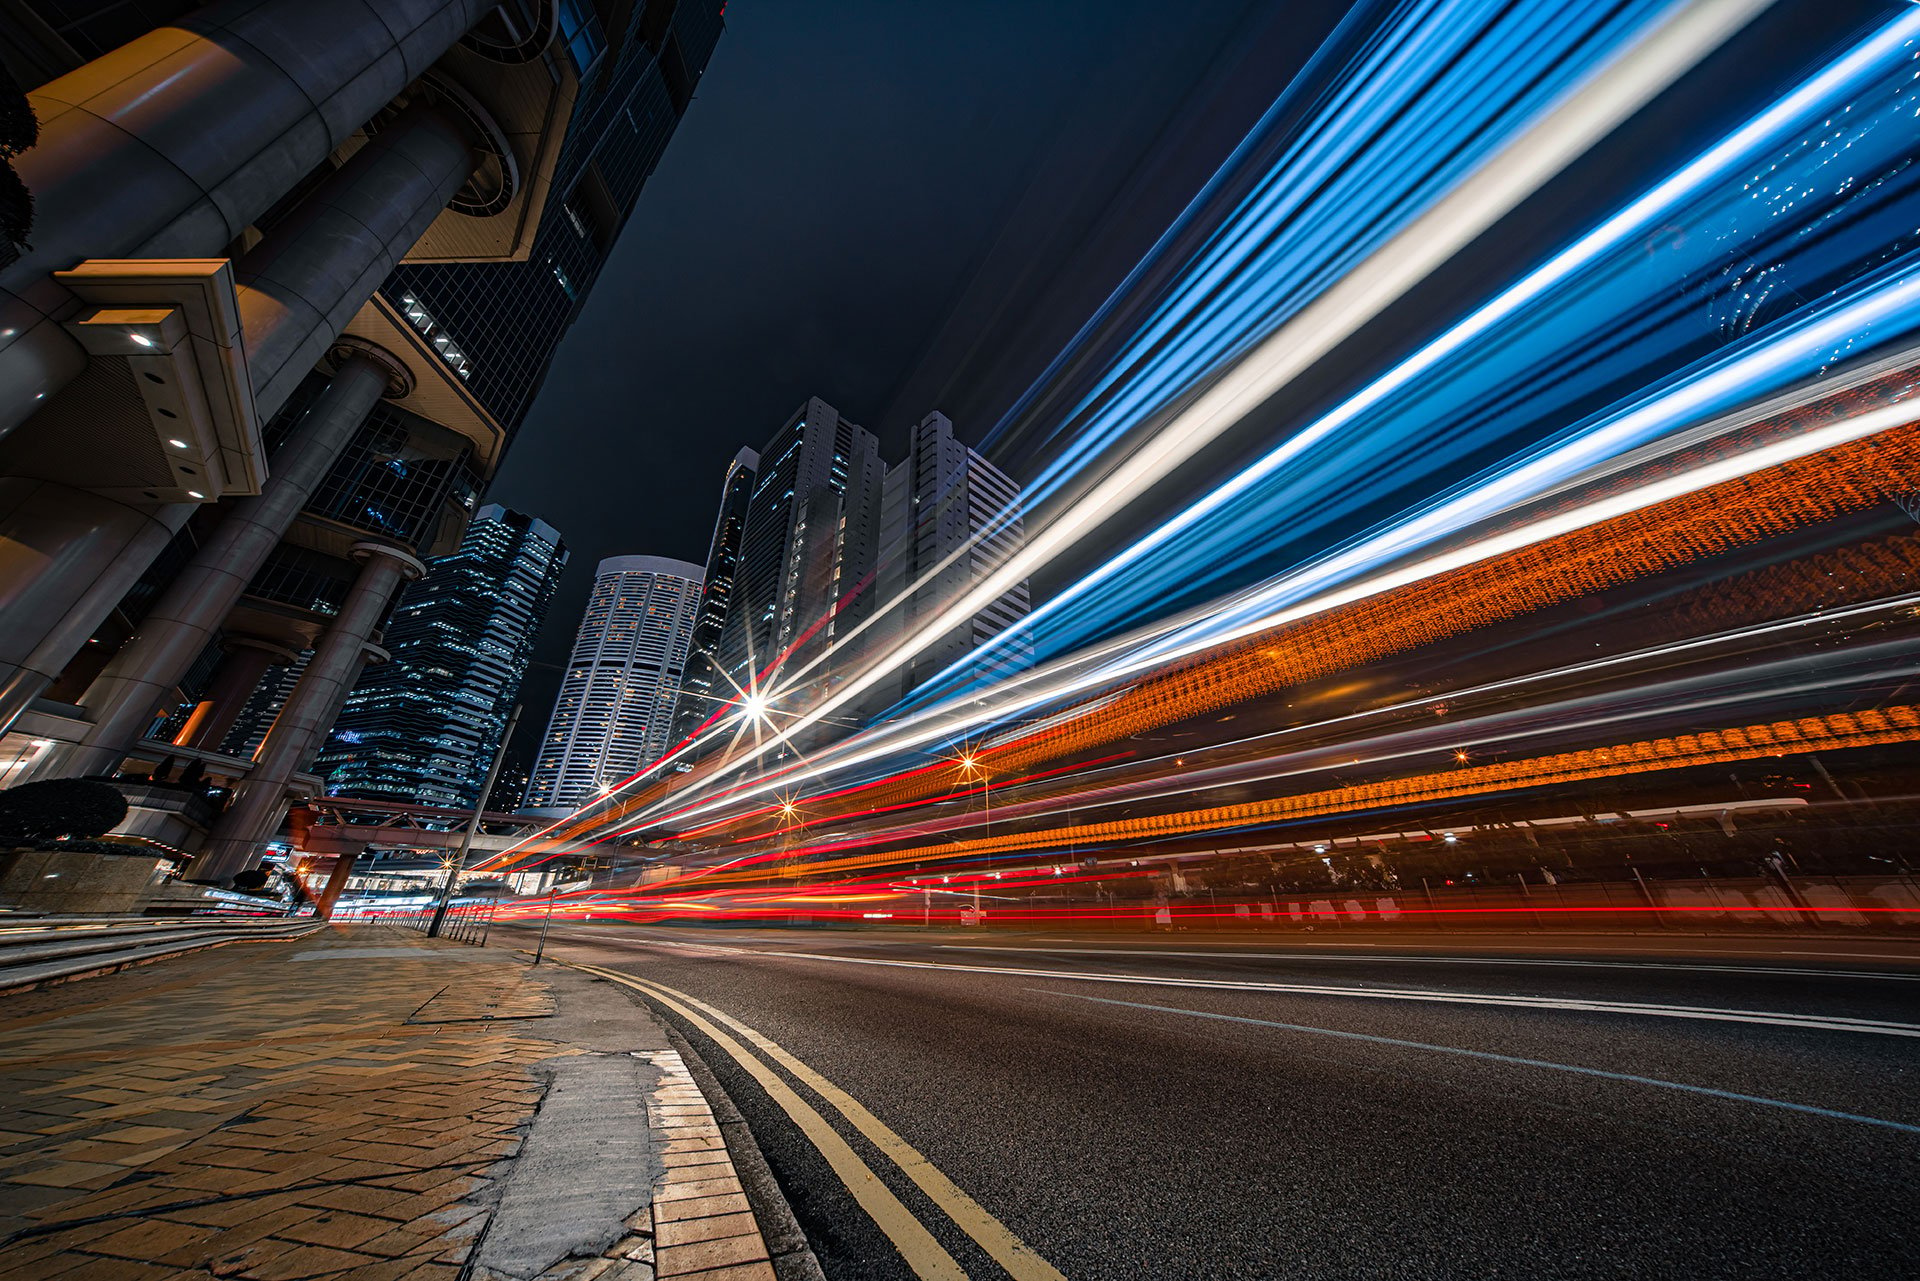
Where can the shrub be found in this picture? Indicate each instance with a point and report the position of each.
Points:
(37, 814)
(18, 131)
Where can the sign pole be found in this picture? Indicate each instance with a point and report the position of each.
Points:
(473, 827)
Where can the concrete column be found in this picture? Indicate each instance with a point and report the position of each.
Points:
(336, 881)
(247, 661)
(171, 146)
(67, 557)
(260, 800)
(124, 697)
(300, 287)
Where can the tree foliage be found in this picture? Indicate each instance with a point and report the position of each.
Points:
(36, 814)
(19, 129)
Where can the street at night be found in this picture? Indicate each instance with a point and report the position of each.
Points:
(1066, 640)
(1421, 1107)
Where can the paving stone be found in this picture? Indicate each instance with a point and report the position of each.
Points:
(687, 1231)
(703, 1256)
(703, 1157)
(628, 1270)
(218, 1093)
(341, 1231)
(696, 1188)
(742, 1272)
(699, 1207)
(67, 1174)
(151, 1239)
(305, 1261)
(356, 1199)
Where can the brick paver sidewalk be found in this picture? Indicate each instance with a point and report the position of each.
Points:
(272, 1111)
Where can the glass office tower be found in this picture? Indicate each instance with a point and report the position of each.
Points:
(704, 690)
(422, 728)
(505, 320)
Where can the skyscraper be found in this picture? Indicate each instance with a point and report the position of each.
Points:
(805, 575)
(505, 319)
(423, 726)
(948, 517)
(614, 713)
(703, 688)
(223, 442)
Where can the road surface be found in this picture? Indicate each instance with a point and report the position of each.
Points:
(1200, 1107)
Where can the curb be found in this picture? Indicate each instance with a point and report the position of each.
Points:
(778, 1231)
(792, 1257)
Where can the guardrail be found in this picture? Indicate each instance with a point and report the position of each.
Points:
(39, 952)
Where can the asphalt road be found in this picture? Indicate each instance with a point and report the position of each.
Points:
(1502, 1108)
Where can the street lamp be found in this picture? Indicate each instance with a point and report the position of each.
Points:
(788, 811)
(459, 862)
(970, 765)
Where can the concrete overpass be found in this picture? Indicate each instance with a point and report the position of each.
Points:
(336, 825)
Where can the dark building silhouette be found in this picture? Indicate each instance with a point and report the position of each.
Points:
(703, 687)
(948, 520)
(504, 320)
(805, 577)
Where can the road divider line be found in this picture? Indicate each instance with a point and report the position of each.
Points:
(1772, 1018)
(1491, 1057)
(1374, 958)
(993, 1236)
(1006, 1249)
(917, 1246)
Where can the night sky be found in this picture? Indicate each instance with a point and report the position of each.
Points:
(895, 207)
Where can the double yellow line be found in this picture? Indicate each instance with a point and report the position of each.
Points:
(916, 1245)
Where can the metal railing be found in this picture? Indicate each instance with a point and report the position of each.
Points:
(52, 950)
(467, 922)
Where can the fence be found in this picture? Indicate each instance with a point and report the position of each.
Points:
(468, 922)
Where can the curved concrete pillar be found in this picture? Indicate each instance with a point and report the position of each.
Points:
(298, 290)
(67, 557)
(300, 287)
(295, 737)
(172, 145)
(123, 698)
(244, 666)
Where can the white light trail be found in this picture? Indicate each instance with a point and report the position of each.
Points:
(1586, 113)
(1811, 441)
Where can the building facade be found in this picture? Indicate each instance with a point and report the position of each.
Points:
(614, 714)
(504, 320)
(703, 688)
(423, 727)
(807, 553)
(224, 441)
(949, 518)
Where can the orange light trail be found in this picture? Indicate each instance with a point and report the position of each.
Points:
(1838, 730)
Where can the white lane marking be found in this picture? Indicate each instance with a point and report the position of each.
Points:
(1824, 1023)
(1502, 1058)
(1373, 958)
